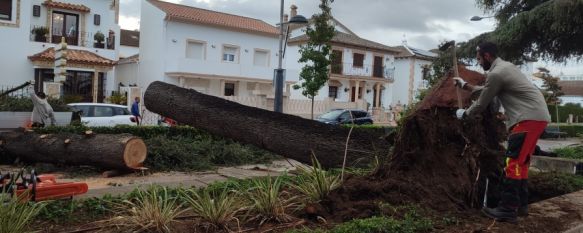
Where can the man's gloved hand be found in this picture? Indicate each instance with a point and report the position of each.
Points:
(457, 81)
(460, 113)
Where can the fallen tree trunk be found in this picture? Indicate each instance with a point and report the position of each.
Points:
(290, 136)
(109, 151)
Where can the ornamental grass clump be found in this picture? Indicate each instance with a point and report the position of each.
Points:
(152, 210)
(215, 208)
(15, 214)
(269, 202)
(315, 183)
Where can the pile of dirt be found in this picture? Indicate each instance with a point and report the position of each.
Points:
(438, 161)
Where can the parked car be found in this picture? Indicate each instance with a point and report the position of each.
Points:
(553, 132)
(343, 116)
(97, 114)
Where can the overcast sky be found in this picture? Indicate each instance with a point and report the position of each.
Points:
(422, 23)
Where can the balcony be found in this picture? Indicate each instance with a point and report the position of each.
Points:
(348, 69)
(82, 39)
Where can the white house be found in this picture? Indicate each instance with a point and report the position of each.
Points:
(411, 65)
(362, 70)
(31, 28)
(212, 52)
(572, 88)
(129, 43)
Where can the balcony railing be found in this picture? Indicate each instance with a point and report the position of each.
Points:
(83, 38)
(348, 69)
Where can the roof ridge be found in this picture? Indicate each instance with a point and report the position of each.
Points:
(180, 5)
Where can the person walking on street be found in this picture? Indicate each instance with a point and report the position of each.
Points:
(42, 112)
(136, 110)
(527, 116)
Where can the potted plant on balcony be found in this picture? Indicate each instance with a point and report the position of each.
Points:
(40, 34)
(99, 38)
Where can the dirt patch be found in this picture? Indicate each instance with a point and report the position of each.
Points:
(438, 161)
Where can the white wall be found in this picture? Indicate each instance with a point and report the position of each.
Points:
(14, 63)
(127, 74)
(152, 37)
(128, 51)
(214, 39)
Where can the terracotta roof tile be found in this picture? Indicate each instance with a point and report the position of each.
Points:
(129, 38)
(195, 15)
(67, 6)
(572, 87)
(345, 38)
(73, 56)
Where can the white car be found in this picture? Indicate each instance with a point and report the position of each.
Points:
(97, 114)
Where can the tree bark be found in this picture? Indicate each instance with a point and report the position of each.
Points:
(289, 136)
(109, 151)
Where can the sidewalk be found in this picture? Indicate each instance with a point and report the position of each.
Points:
(99, 186)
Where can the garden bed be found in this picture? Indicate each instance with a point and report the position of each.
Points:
(94, 214)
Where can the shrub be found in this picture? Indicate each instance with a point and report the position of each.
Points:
(151, 210)
(176, 153)
(571, 130)
(575, 152)
(15, 214)
(215, 208)
(99, 37)
(24, 104)
(384, 224)
(547, 185)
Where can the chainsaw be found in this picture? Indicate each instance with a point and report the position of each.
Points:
(33, 187)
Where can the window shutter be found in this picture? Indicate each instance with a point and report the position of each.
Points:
(97, 19)
(36, 10)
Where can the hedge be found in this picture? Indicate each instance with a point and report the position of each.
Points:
(571, 130)
(564, 112)
(181, 148)
(24, 104)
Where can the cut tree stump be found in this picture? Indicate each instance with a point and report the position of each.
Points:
(289, 136)
(108, 151)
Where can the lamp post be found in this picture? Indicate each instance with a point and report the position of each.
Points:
(478, 18)
(296, 19)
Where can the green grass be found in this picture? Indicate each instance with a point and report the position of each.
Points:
(572, 152)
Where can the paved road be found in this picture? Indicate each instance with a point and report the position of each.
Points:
(550, 144)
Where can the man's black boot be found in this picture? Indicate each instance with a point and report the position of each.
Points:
(522, 211)
(501, 214)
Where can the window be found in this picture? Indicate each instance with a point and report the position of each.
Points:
(230, 54)
(333, 92)
(65, 25)
(195, 50)
(229, 89)
(101, 111)
(358, 60)
(261, 58)
(86, 111)
(6, 10)
(359, 114)
(120, 111)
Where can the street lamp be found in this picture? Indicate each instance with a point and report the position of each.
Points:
(296, 19)
(478, 18)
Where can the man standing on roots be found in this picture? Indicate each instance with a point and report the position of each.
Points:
(42, 112)
(527, 116)
(136, 110)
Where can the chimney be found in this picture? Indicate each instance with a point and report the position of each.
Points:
(285, 18)
(294, 11)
